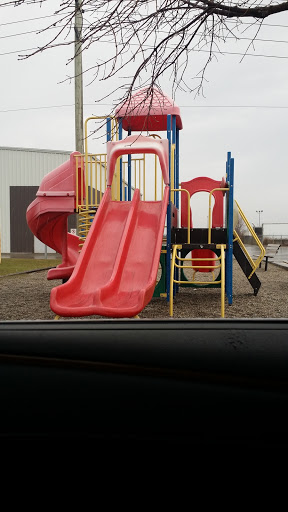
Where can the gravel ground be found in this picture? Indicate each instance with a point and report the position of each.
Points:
(27, 296)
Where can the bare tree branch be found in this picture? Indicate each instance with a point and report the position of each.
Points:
(149, 38)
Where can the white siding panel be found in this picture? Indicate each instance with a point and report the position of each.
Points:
(39, 247)
(22, 167)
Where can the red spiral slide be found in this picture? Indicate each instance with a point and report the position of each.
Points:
(47, 216)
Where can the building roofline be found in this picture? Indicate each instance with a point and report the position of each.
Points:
(35, 150)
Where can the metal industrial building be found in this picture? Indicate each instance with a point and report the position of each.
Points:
(21, 172)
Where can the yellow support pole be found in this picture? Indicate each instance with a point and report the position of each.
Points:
(144, 177)
(77, 184)
(105, 172)
(155, 167)
(135, 173)
(97, 165)
(139, 174)
(175, 248)
(222, 282)
(118, 179)
(91, 181)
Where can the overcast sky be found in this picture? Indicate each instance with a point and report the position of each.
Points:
(245, 108)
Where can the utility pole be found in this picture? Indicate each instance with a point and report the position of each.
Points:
(79, 136)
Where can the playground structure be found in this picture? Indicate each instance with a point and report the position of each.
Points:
(111, 268)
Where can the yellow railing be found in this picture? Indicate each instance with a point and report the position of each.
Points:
(254, 264)
(115, 189)
(91, 183)
(91, 177)
(155, 135)
(138, 170)
(210, 210)
(220, 259)
(188, 208)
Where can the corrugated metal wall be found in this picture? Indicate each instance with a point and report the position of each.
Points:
(22, 167)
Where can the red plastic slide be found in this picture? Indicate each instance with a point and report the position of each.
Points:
(116, 272)
(117, 269)
(47, 216)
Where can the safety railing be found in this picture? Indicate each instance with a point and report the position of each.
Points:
(137, 176)
(114, 135)
(91, 177)
(188, 209)
(91, 181)
(220, 259)
(220, 189)
(254, 263)
(156, 185)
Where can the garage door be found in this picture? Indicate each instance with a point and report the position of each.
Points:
(22, 239)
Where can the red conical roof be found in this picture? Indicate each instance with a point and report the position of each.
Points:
(148, 111)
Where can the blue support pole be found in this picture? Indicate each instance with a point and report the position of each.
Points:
(177, 193)
(168, 261)
(177, 168)
(229, 250)
(174, 141)
(121, 172)
(174, 166)
(228, 166)
(129, 172)
(108, 129)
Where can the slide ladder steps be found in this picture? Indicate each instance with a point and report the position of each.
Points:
(246, 267)
(85, 219)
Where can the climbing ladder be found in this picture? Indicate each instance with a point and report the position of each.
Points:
(213, 263)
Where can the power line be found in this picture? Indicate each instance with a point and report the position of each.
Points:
(22, 33)
(50, 106)
(256, 25)
(235, 38)
(235, 106)
(28, 19)
(12, 4)
(193, 50)
(58, 14)
(180, 106)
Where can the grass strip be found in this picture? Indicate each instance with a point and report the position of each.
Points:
(22, 265)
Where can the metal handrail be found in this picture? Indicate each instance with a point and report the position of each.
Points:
(114, 131)
(210, 210)
(188, 208)
(254, 264)
(222, 280)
